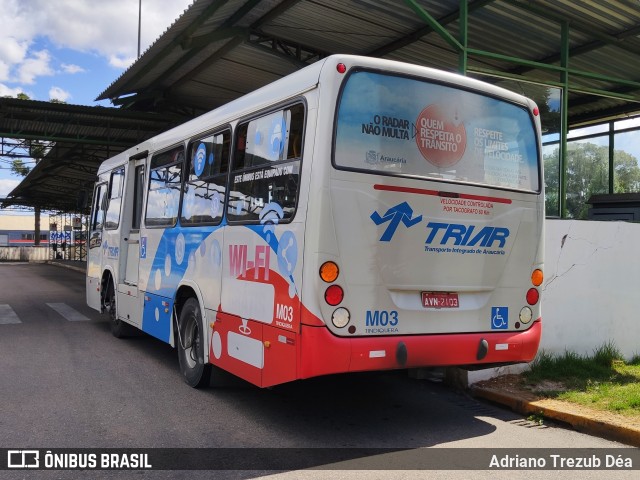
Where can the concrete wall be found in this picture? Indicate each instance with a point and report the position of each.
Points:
(23, 222)
(592, 286)
(24, 254)
(591, 292)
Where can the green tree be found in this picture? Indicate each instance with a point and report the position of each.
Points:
(551, 183)
(19, 168)
(626, 174)
(588, 174)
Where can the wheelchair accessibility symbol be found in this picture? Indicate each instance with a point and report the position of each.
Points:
(499, 318)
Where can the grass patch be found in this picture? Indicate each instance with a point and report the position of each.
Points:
(602, 380)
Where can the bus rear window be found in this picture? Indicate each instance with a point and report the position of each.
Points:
(394, 125)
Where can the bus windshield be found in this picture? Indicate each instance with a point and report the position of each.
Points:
(394, 125)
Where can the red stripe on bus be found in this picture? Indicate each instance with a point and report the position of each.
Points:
(436, 193)
(323, 353)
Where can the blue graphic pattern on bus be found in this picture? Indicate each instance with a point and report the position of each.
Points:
(199, 161)
(400, 213)
(167, 271)
(286, 249)
(171, 262)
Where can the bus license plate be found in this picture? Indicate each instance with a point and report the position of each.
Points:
(439, 300)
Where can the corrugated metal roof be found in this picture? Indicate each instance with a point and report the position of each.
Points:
(84, 137)
(279, 36)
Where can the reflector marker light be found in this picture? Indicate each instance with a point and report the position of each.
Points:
(329, 272)
(341, 68)
(537, 277)
(525, 315)
(341, 317)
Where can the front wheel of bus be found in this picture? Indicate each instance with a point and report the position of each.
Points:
(190, 343)
(119, 329)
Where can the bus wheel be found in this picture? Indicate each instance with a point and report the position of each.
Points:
(119, 329)
(190, 343)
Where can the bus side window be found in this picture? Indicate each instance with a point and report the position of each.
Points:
(138, 196)
(206, 180)
(265, 176)
(165, 177)
(294, 145)
(97, 217)
(112, 218)
(241, 146)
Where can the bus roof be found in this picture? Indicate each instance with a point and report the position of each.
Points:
(292, 85)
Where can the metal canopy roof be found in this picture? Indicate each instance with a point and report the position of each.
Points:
(219, 50)
(82, 138)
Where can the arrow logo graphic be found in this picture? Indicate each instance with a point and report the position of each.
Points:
(400, 213)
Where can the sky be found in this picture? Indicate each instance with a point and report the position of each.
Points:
(72, 50)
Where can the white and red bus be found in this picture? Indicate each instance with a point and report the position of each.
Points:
(359, 214)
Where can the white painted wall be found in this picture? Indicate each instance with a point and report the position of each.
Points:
(591, 292)
(592, 286)
(23, 222)
(24, 254)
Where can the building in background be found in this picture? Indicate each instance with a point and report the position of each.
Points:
(19, 230)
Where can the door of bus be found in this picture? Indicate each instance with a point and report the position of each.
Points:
(94, 260)
(129, 305)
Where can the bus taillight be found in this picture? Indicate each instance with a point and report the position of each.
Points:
(333, 295)
(533, 296)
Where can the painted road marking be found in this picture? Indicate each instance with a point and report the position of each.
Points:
(67, 312)
(7, 315)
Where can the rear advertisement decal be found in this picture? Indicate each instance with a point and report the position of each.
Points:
(405, 126)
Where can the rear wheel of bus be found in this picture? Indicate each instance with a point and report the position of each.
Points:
(190, 344)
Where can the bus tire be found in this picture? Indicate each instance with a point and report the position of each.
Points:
(190, 345)
(119, 329)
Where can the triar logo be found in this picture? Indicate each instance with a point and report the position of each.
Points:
(400, 213)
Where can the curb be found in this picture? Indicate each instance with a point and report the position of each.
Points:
(559, 411)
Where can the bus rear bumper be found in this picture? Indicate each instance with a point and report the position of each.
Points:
(323, 353)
